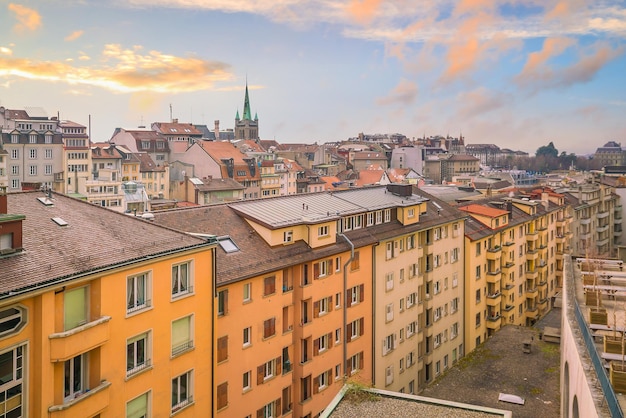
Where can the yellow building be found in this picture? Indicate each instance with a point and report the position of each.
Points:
(418, 315)
(511, 265)
(103, 314)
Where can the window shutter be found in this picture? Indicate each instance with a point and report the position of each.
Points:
(272, 326)
(260, 373)
(222, 348)
(260, 412)
(361, 326)
(316, 309)
(330, 303)
(349, 367)
(361, 293)
(329, 336)
(316, 270)
(222, 395)
(225, 302)
(330, 266)
(316, 385)
(349, 332)
(180, 331)
(279, 364)
(277, 411)
(348, 297)
(138, 407)
(361, 360)
(316, 346)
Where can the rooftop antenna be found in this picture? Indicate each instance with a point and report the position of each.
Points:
(171, 113)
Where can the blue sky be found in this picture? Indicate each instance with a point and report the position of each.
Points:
(517, 73)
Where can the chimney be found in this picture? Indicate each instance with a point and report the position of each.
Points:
(509, 208)
(217, 130)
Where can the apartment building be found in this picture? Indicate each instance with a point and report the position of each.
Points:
(104, 188)
(418, 294)
(270, 179)
(103, 314)
(4, 178)
(511, 262)
(76, 158)
(597, 219)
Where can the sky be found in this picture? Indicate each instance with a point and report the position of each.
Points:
(517, 73)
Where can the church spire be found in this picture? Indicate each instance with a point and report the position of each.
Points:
(246, 105)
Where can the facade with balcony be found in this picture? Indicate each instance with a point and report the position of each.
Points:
(75, 350)
(510, 261)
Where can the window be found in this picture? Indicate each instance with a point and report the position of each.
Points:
(410, 242)
(181, 279)
(355, 329)
(288, 236)
(247, 336)
(32, 138)
(32, 170)
(269, 286)
(137, 292)
(355, 294)
(337, 264)
(222, 395)
(389, 281)
(389, 312)
(478, 296)
(370, 219)
(182, 335)
(305, 388)
(354, 363)
(387, 215)
(454, 330)
(15, 138)
(11, 320)
(454, 255)
(411, 213)
(322, 307)
(477, 248)
(247, 288)
(182, 391)
(322, 344)
(47, 169)
(338, 336)
(137, 354)
(389, 343)
(12, 370)
(438, 338)
(477, 272)
(15, 169)
(389, 250)
(410, 300)
(222, 302)
(322, 269)
(478, 319)
(454, 305)
(138, 407)
(269, 328)
(323, 381)
(247, 380)
(322, 231)
(75, 307)
(268, 370)
(32, 154)
(222, 349)
(75, 376)
(411, 329)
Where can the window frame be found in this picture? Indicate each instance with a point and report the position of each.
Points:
(182, 400)
(177, 288)
(136, 305)
(146, 363)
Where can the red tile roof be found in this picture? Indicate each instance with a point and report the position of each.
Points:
(484, 210)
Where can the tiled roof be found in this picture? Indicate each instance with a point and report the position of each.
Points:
(366, 155)
(147, 164)
(223, 150)
(370, 177)
(256, 257)
(178, 129)
(94, 238)
(208, 185)
(483, 210)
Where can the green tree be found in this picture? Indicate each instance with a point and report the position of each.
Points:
(547, 151)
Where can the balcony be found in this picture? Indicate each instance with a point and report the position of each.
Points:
(493, 254)
(508, 290)
(508, 243)
(602, 215)
(67, 344)
(532, 313)
(532, 293)
(532, 274)
(585, 221)
(494, 321)
(585, 236)
(543, 304)
(493, 276)
(508, 267)
(88, 404)
(560, 239)
(532, 255)
(508, 308)
(601, 229)
(602, 242)
(617, 233)
(494, 300)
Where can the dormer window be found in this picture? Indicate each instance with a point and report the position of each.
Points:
(15, 138)
(32, 138)
(48, 139)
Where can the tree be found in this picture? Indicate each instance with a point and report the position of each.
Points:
(547, 151)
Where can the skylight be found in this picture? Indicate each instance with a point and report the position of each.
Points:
(60, 221)
(228, 245)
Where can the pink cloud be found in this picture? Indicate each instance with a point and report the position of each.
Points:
(27, 19)
(74, 35)
(363, 11)
(404, 93)
(552, 47)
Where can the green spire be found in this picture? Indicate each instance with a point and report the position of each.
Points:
(237, 116)
(255, 116)
(246, 106)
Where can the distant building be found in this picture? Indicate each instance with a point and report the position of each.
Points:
(246, 127)
(610, 154)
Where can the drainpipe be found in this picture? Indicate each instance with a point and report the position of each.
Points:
(213, 328)
(345, 307)
(374, 311)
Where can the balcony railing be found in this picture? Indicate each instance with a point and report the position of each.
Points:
(181, 348)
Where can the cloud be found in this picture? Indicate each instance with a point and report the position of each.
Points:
(27, 19)
(404, 93)
(582, 71)
(126, 70)
(363, 11)
(552, 47)
(5, 51)
(74, 35)
(481, 100)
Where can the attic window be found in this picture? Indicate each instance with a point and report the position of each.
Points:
(60, 221)
(228, 245)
